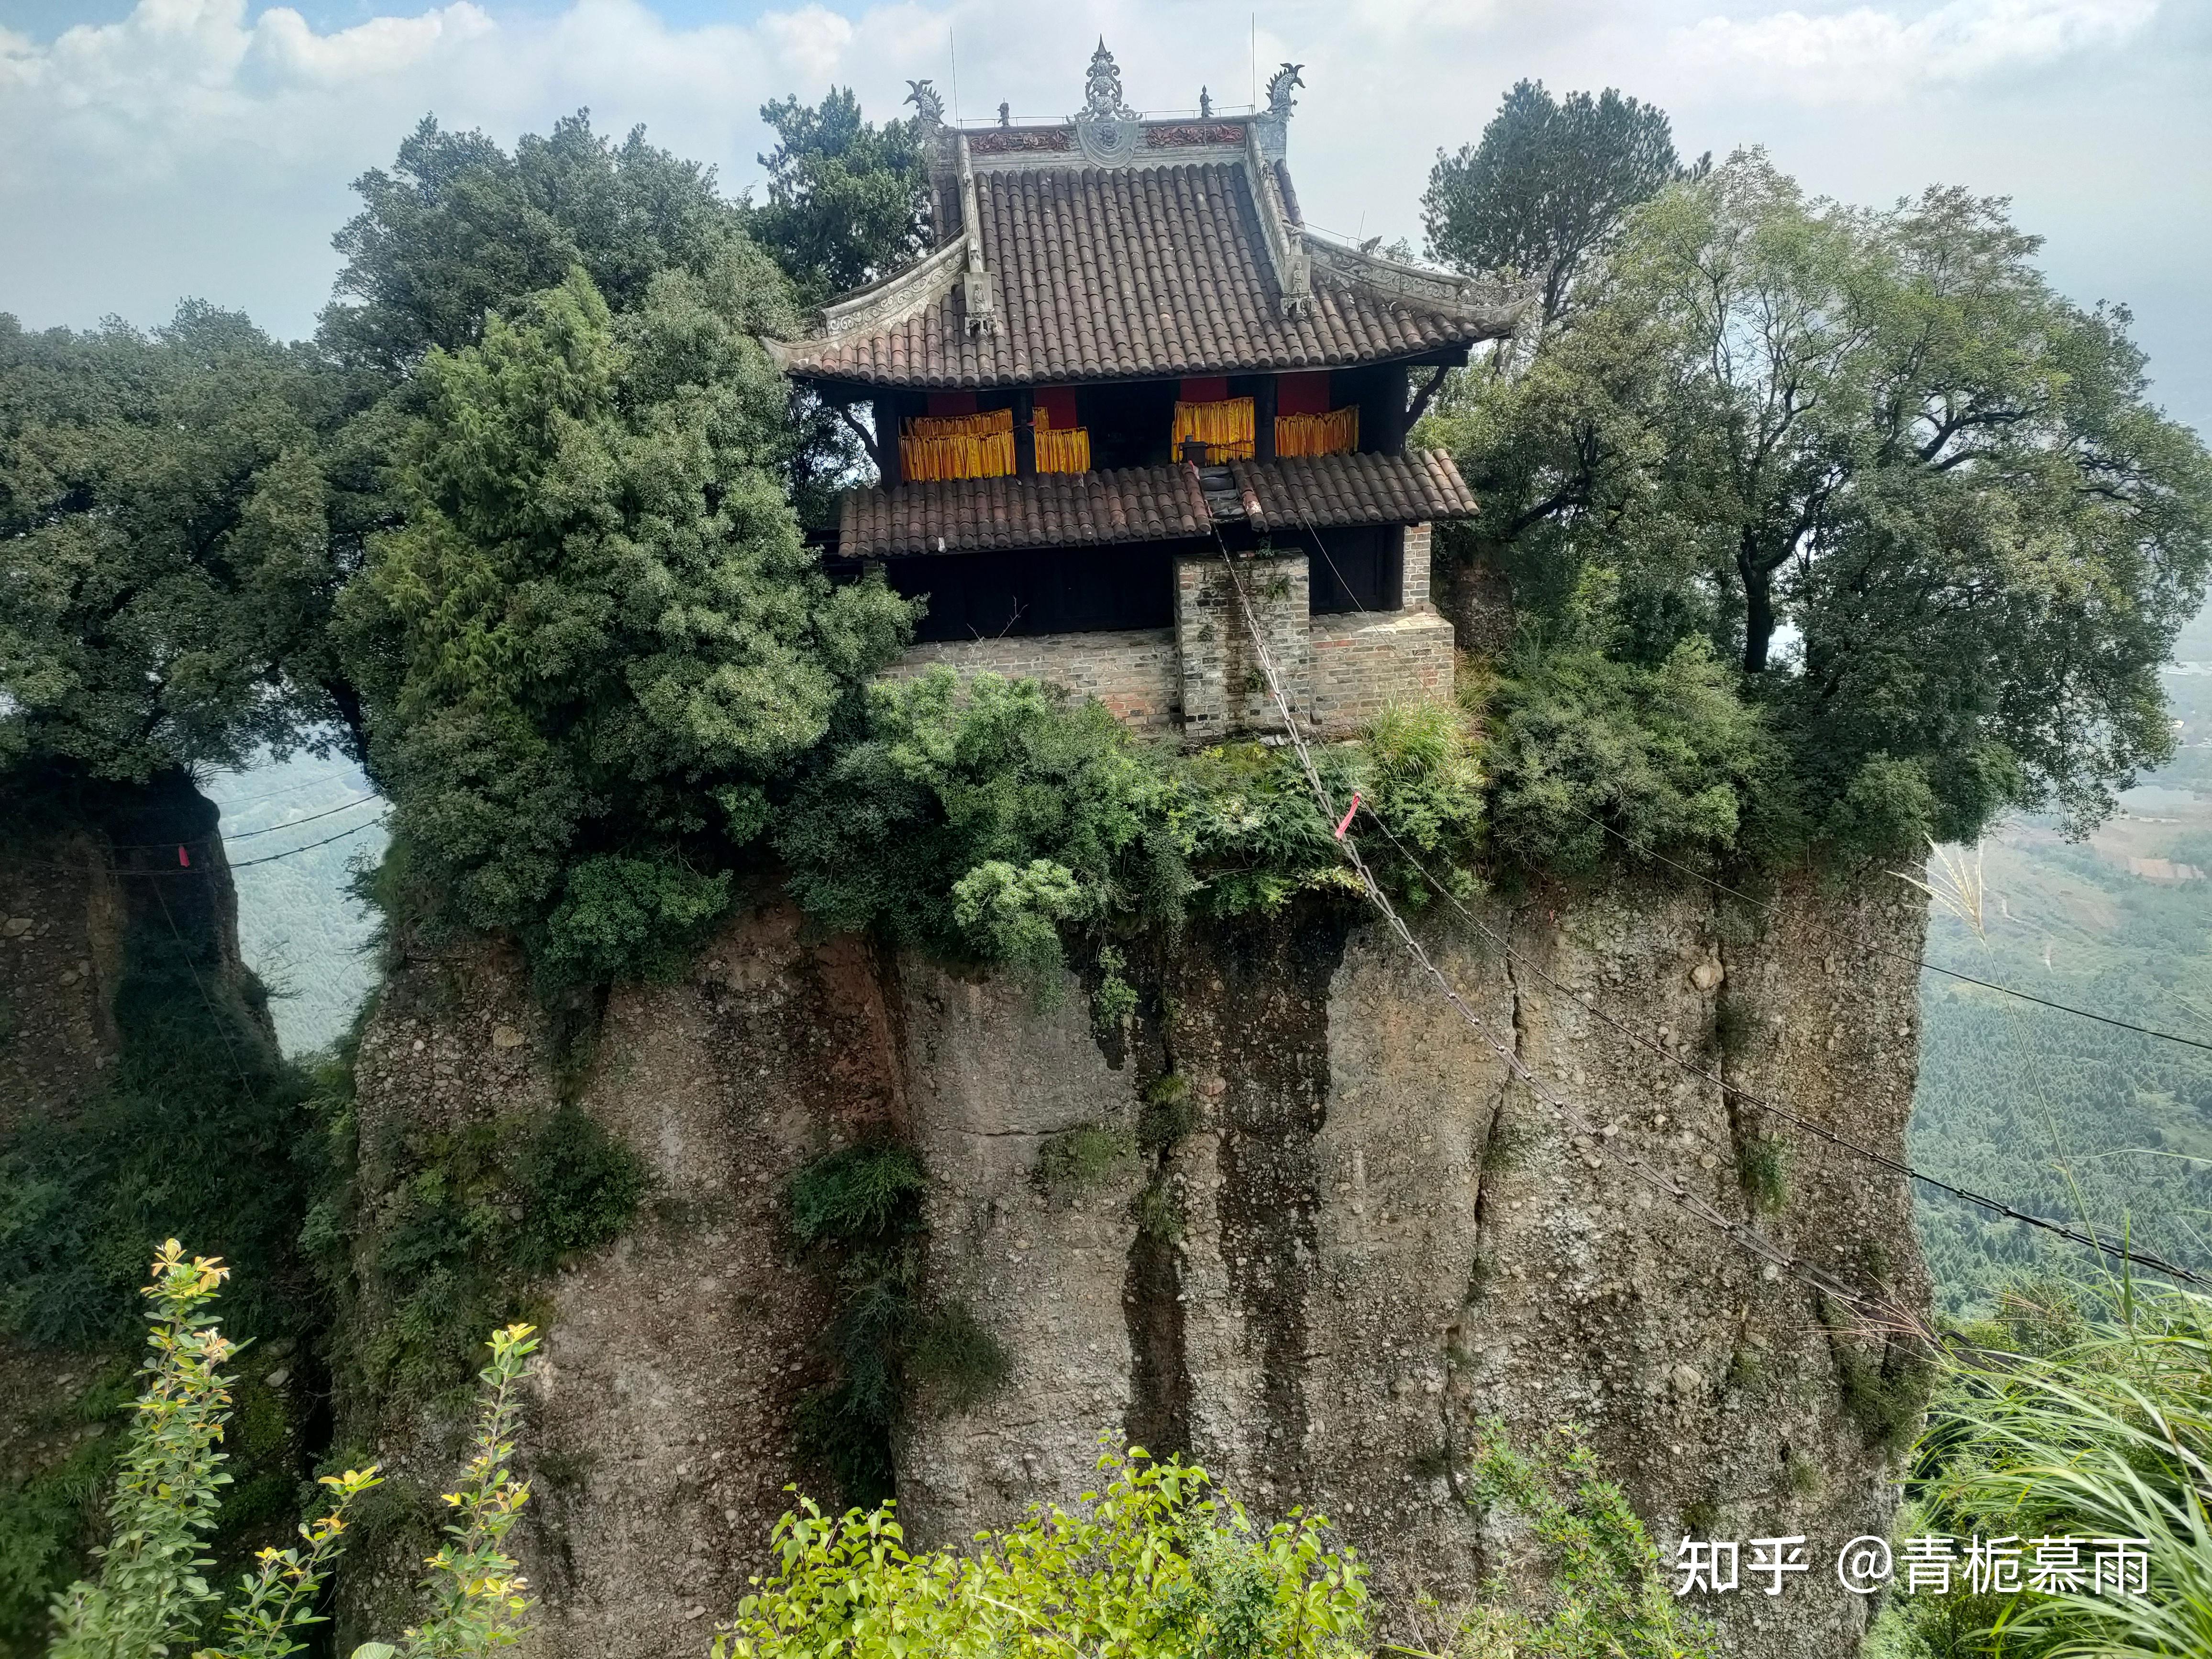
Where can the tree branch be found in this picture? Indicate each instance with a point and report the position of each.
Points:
(1421, 401)
(867, 438)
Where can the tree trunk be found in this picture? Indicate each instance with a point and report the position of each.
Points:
(1758, 609)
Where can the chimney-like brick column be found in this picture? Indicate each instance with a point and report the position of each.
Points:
(1224, 692)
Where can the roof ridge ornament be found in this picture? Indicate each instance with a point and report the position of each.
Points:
(1106, 129)
(928, 103)
(1272, 123)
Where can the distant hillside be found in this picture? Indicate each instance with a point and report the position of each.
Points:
(2060, 1114)
(299, 926)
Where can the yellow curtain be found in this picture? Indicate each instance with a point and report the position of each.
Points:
(1062, 452)
(1225, 428)
(961, 426)
(1336, 433)
(930, 460)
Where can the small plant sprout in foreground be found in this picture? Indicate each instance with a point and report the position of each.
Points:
(168, 1485)
(476, 1589)
(152, 1597)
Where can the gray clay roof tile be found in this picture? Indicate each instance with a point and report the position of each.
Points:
(1147, 503)
(1126, 272)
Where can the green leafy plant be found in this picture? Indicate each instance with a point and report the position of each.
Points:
(857, 1211)
(1151, 1566)
(955, 1355)
(1168, 1113)
(1763, 1170)
(152, 1594)
(466, 1220)
(1602, 1594)
(168, 1480)
(1081, 1157)
(1157, 1213)
(1115, 1000)
(858, 1192)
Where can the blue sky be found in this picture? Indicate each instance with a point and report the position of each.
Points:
(170, 148)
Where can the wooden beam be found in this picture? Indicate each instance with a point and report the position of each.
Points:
(1024, 433)
(887, 455)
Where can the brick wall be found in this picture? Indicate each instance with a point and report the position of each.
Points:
(1363, 663)
(1414, 592)
(1132, 672)
(1202, 679)
(1225, 690)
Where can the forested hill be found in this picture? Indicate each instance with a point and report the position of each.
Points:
(2061, 1115)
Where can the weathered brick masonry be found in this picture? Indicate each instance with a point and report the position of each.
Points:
(1201, 678)
(1134, 673)
(1372, 661)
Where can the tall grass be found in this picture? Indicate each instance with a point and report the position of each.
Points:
(2088, 1412)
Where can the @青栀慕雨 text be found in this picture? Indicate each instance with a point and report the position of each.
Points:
(1929, 1565)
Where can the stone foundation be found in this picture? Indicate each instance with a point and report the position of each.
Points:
(1201, 678)
(1134, 673)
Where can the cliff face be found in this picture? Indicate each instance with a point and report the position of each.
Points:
(1383, 1245)
(80, 896)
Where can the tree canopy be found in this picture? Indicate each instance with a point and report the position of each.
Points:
(597, 638)
(1883, 433)
(847, 201)
(457, 227)
(1546, 187)
(165, 563)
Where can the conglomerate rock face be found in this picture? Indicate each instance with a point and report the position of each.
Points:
(1375, 1244)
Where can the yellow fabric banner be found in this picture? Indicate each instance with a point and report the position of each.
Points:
(1062, 452)
(1225, 428)
(934, 460)
(961, 426)
(1336, 433)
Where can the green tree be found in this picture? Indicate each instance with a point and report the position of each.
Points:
(1885, 430)
(848, 201)
(846, 205)
(457, 228)
(1544, 190)
(1951, 480)
(167, 574)
(166, 563)
(598, 639)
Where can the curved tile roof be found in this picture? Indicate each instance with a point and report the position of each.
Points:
(1112, 273)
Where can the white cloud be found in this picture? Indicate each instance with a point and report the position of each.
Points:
(203, 147)
(1867, 54)
(382, 46)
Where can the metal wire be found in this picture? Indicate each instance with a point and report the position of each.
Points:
(1736, 1092)
(1598, 1153)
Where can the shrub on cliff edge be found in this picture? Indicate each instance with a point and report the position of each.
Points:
(1151, 1566)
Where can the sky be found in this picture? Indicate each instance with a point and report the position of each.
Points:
(167, 148)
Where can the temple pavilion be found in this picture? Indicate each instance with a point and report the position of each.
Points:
(1128, 359)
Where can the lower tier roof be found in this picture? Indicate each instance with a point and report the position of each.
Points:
(1151, 504)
